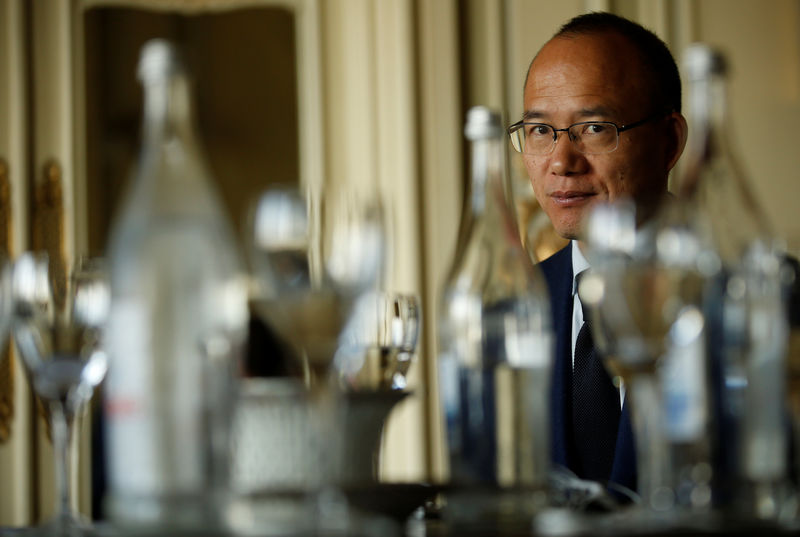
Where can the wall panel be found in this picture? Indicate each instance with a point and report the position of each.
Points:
(16, 459)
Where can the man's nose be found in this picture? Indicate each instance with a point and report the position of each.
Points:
(565, 158)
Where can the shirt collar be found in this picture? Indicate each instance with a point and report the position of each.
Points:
(579, 264)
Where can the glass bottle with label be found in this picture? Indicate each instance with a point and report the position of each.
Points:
(179, 314)
(495, 355)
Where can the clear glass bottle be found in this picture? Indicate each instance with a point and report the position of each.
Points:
(179, 314)
(746, 323)
(495, 347)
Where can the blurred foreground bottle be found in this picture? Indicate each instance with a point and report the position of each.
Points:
(494, 350)
(179, 316)
(746, 323)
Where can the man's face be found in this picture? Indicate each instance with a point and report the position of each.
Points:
(594, 78)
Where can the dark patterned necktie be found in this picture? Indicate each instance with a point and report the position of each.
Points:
(595, 410)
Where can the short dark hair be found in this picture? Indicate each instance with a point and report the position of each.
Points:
(657, 60)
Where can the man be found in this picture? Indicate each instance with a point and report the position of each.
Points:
(601, 121)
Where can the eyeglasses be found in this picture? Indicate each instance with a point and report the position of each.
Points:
(589, 137)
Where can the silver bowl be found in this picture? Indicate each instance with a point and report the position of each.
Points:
(279, 442)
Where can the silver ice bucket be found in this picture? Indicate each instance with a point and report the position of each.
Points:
(282, 441)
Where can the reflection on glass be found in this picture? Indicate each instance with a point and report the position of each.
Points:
(379, 342)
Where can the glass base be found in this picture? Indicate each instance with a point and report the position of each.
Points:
(326, 512)
(166, 514)
(637, 521)
(493, 510)
(66, 525)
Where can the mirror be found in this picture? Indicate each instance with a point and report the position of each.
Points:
(244, 66)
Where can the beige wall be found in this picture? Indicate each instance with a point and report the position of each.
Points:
(762, 40)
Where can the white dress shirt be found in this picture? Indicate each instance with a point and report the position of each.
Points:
(579, 264)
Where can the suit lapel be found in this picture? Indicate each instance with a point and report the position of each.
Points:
(557, 270)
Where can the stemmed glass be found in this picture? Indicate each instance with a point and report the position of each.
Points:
(645, 296)
(290, 293)
(312, 258)
(57, 325)
(313, 254)
(379, 341)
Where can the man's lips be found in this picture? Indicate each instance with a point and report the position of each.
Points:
(569, 198)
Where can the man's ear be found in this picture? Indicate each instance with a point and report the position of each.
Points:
(679, 131)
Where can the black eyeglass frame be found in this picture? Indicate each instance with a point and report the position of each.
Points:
(619, 128)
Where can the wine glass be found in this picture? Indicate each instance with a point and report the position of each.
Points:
(290, 295)
(645, 292)
(57, 325)
(379, 342)
(312, 258)
(313, 254)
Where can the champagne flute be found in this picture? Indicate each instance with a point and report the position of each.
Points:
(57, 326)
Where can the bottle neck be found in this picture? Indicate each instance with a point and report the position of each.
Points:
(714, 180)
(487, 174)
(168, 111)
(708, 102)
(708, 126)
(492, 210)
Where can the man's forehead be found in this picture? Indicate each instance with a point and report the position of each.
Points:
(580, 108)
(603, 57)
(593, 70)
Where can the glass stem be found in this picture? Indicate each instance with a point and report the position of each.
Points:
(62, 421)
(328, 403)
(652, 448)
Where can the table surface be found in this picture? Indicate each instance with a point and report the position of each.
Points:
(435, 520)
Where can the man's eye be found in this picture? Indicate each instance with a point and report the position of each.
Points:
(536, 131)
(595, 128)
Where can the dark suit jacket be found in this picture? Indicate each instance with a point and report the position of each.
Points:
(557, 270)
